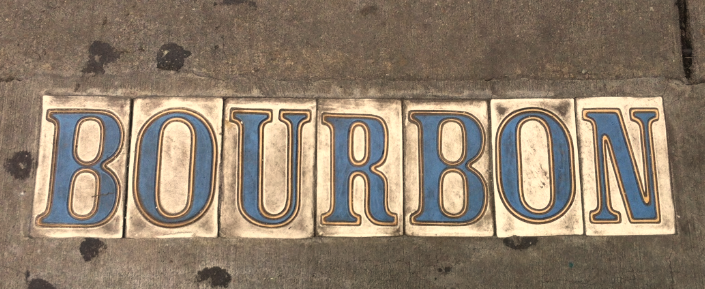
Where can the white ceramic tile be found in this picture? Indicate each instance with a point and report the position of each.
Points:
(175, 156)
(535, 161)
(268, 166)
(624, 164)
(447, 165)
(80, 190)
(365, 180)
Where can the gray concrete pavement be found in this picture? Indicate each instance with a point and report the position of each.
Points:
(335, 49)
(696, 30)
(316, 39)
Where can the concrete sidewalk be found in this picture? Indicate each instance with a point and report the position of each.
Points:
(315, 39)
(333, 49)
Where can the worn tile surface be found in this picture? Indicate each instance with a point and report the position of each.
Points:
(82, 163)
(625, 168)
(447, 177)
(359, 168)
(535, 160)
(269, 148)
(175, 156)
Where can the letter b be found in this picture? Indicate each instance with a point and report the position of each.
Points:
(66, 166)
(434, 167)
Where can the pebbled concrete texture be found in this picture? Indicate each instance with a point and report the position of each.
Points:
(696, 30)
(548, 262)
(347, 49)
(317, 39)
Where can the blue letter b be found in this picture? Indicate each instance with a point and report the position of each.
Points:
(67, 166)
(433, 167)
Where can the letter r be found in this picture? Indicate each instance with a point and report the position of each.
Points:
(344, 169)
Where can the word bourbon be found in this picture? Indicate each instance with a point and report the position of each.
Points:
(296, 168)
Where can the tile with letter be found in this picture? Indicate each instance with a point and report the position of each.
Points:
(269, 148)
(447, 169)
(82, 163)
(535, 161)
(359, 168)
(624, 164)
(173, 179)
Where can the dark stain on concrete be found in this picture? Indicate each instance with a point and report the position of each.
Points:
(19, 165)
(686, 37)
(91, 248)
(9, 79)
(219, 277)
(252, 4)
(368, 10)
(687, 227)
(445, 270)
(100, 54)
(520, 243)
(172, 56)
(39, 284)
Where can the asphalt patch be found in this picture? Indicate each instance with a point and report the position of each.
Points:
(219, 277)
(19, 165)
(171, 56)
(100, 54)
(520, 243)
(91, 248)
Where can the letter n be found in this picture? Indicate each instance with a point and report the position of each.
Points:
(614, 152)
